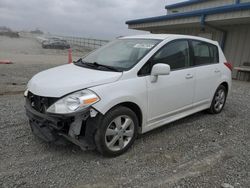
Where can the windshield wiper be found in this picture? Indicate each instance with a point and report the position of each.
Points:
(105, 66)
(95, 64)
(79, 61)
(84, 63)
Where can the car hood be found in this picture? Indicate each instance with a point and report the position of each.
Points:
(59, 81)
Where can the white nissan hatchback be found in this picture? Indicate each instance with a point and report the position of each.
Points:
(127, 87)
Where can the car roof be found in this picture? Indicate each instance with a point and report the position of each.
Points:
(169, 36)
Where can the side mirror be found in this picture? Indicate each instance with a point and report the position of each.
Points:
(159, 69)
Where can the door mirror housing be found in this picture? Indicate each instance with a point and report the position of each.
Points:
(159, 69)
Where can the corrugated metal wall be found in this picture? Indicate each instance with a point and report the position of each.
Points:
(237, 46)
(244, 1)
(202, 5)
(228, 16)
(216, 35)
(180, 21)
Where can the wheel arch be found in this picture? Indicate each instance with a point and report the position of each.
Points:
(137, 104)
(226, 85)
(134, 107)
(89, 129)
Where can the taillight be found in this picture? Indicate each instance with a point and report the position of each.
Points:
(229, 65)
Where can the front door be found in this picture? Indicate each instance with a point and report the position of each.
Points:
(171, 93)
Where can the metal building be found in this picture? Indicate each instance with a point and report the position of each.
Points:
(227, 21)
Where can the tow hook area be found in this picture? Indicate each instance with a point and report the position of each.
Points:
(75, 127)
(81, 142)
(93, 112)
(74, 133)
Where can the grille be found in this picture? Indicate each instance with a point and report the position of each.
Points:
(39, 103)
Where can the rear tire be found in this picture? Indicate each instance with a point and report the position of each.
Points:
(116, 132)
(219, 100)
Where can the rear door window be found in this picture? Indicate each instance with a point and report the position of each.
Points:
(204, 53)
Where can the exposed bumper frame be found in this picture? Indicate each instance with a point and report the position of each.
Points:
(51, 128)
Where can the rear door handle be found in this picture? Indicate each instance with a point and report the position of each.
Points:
(189, 76)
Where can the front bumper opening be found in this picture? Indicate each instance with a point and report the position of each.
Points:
(54, 128)
(44, 132)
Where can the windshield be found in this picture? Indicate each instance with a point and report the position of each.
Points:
(121, 54)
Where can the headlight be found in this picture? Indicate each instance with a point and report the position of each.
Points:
(74, 102)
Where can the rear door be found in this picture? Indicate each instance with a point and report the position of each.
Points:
(205, 59)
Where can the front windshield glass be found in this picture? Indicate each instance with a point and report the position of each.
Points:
(121, 54)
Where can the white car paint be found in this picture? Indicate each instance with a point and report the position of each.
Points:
(176, 93)
(66, 79)
(171, 97)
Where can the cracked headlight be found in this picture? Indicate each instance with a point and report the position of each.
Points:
(74, 102)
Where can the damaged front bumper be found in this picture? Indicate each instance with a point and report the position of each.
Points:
(54, 128)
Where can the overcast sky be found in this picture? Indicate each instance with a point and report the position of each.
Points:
(103, 19)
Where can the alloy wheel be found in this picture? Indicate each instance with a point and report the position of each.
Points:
(219, 100)
(119, 133)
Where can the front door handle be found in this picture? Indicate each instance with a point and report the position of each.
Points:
(189, 76)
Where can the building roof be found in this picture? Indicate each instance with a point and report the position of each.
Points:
(209, 11)
(182, 4)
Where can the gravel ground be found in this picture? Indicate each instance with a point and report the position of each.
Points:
(201, 150)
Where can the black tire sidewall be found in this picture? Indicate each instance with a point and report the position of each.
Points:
(104, 123)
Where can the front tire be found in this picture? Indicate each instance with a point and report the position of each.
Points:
(219, 100)
(116, 132)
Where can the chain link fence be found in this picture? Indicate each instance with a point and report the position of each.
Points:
(85, 42)
(81, 42)
(76, 42)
